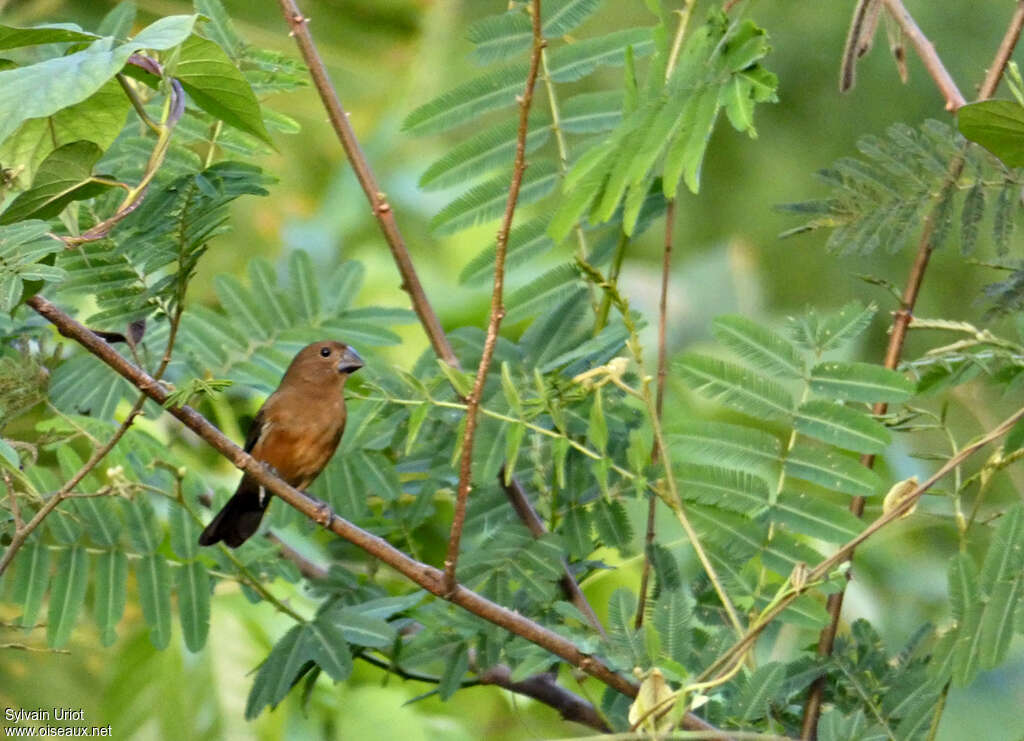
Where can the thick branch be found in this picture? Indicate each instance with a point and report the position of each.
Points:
(497, 305)
(894, 351)
(545, 689)
(299, 25)
(926, 51)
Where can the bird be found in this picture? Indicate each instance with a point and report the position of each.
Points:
(295, 433)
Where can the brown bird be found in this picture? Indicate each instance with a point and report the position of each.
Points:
(295, 432)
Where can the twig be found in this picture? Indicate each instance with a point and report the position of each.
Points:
(299, 25)
(894, 352)
(385, 218)
(823, 569)
(666, 264)
(926, 51)
(497, 305)
(545, 689)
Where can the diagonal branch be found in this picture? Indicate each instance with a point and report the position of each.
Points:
(299, 25)
(497, 305)
(410, 279)
(894, 351)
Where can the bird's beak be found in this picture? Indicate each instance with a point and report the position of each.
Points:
(350, 361)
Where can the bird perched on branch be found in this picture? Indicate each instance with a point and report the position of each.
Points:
(295, 432)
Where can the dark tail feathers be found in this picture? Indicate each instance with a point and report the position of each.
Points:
(239, 518)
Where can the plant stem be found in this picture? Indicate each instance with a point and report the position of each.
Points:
(497, 307)
(926, 51)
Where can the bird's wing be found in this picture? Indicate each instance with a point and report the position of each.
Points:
(256, 429)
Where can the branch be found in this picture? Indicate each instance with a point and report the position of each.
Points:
(544, 688)
(497, 305)
(894, 352)
(389, 228)
(666, 264)
(299, 25)
(926, 51)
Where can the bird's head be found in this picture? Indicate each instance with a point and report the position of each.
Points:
(323, 363)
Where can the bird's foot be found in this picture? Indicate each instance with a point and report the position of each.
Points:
(324, 514)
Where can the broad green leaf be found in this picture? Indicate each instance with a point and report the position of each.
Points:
(385, 607)
(154, 580)
(809, 516)
(277, 672)
(218, 26)
(841, 426)
(860, 382)
(22, 245)
(559, 17)
(216, 85)
(67, 595)
(734, 386)
(31, 578)
(193, 587)
(109, 593)
(1005, 556)
(997, 125)
(497, 37)
(761, 347)
(44, 88)
(64, 176)
(49, 33)
(454, 670)
(101, 518)
(362, 629)
(965, 601)
(328, 648)
(997, 622)
(184, 533)
(141, 521)
(119, 20)
(832, 471)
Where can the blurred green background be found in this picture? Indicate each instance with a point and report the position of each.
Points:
(387, 57)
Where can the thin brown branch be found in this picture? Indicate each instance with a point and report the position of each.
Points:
(894, 352)
(926, 51)
(299, 25)
(497, 304)
(544, 688)
(666, 266)
(410, 279)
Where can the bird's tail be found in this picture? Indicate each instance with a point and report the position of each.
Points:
(240, 517)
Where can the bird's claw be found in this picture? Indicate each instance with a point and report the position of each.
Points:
(324, 514)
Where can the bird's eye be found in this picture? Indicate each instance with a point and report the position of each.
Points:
(325, 352)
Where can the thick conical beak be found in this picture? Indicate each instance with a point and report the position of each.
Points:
(350, 361)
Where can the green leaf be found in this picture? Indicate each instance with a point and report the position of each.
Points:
(845, 325)
(483, 152)
(576, 529)
(758, 691)
(818, 519)
(734, 386)
(119, 20)
(841, 426)
(525, 242)
(487, 201)
(965, 601)
(154, 580)
(44, 88)
(686, 155)
(1005, 556)
(597, 429)
(997, 125)
(612, 523)
(109, 593)
(722, 444)
(31, 579)
(497, 89)
(1003, 219)
(67, 595)
(762, 348)
(49, 33)
(672, 618)
(454, 670)
(591, 113)
(64, 176)
(328, 648)
(497, 37)
(552, 287)
(722, 487)
(363, 629)
(304, 288)
(9, 456)
(860, 382)
(559, 17)
(623, 637)
(832, 471)
(970, 217)
(216, 85)
(575, 61)
(22, 245)
(193, 586)
(278, 671)
(218, 27)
